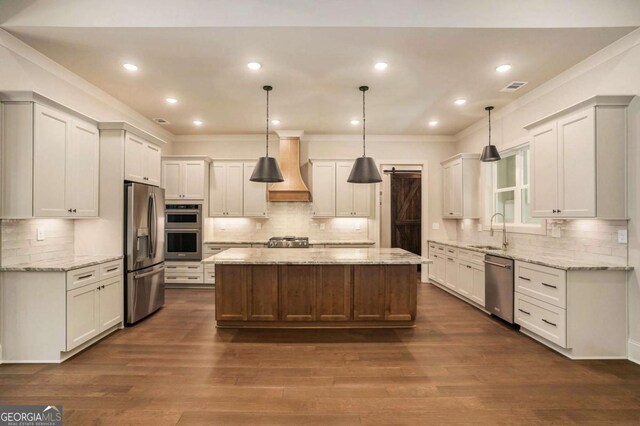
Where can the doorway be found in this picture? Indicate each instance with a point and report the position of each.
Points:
(406, 209)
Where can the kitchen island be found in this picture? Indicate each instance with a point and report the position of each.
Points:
(316, 288)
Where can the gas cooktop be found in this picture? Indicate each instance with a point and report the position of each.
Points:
(288, 242)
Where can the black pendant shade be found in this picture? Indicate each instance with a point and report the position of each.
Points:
(364, 168)
(266, 169)
(489, 152)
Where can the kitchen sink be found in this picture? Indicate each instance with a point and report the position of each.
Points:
(484, 247)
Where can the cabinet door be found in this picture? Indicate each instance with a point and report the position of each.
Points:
(477, 294)
(432, 266)
(152, 160)
(262, 293)
(344, 190)
(401, 288)
(544, 171)
(451, 273)
(333, 292)
(441, 269)
(193, 186)
(231, 292)
(172, 179)
(255, 194)
(324, 189)
(52, 133)
(446, 191)
(83, 167)
(110, 292)
(465, 279)
(217, 184)
(455, 189)
(134, 158)
(297, 291)
(369, 293)
(577, 165)
(83, 316)
(234, 189)
(362, 194)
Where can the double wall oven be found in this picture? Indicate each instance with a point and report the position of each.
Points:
(183, 232)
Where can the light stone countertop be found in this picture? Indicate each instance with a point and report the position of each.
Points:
(312, 242)
(316, 256)
(551, 260)
(62, 264)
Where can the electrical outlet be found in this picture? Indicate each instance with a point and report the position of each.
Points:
(322, 226)
(622, 236)
(435, 225)
(358, 226)
(479, 228)
(258, 226)
(555, 232)
(40, 234)
(462, 225)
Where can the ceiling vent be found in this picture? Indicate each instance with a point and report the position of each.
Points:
(513, 86)
(160, 120)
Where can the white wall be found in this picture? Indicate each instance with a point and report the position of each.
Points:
(614, 70)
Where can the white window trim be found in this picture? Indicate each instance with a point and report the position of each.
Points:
(488, 178)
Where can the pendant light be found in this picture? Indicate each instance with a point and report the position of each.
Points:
(266, 169)
(364, 169)
(489, 152)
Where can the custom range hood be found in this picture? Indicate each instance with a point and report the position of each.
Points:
(293, 188)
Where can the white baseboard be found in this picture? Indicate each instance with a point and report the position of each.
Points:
(634, 351)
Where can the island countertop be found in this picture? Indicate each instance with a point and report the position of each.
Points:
(316, 256)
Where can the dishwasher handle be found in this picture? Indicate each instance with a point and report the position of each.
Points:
(497, 264)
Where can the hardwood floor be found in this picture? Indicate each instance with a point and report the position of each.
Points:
(457, 366)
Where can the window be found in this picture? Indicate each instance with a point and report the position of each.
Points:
(511, 195)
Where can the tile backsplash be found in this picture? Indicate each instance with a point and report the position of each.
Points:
(19, 243)
(584, 239)
(287, 219)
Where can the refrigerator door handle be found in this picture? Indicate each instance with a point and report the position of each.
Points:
(152, 225)
(146, 274)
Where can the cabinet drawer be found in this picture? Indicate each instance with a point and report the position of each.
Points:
(451, 251)
(541, 318)
(471, 256)
(111, 269)
(183, 278)
(182, 267)
(439, 248)
(210, 276)
(83, 276)
(542, 283)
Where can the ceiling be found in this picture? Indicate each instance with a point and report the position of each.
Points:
(315, 72)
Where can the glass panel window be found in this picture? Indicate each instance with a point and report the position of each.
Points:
(506, 172)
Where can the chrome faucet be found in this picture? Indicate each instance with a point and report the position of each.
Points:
(505, 242)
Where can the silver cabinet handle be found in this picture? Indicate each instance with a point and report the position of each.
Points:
(497, 264)
(146, 274)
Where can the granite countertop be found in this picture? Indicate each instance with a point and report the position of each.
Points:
(62, 264)
(312, 242)
(552, 260)
(316, 256)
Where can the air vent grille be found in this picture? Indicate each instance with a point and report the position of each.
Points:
(160, 120)
(513, 86)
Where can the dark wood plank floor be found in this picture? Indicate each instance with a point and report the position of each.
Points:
(458, 366)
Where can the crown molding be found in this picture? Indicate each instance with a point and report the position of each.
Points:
(316, 138)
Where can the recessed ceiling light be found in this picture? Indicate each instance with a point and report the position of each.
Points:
(354, 122)
(381, 66)
(275, 122)
(130, 67)
(503, 68)
(433, 123)
(197, 122)
(254, 66)
(460, 101)
(171, 100)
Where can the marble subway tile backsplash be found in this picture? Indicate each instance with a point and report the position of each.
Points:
(287, 219)
(19, 243)
(586, 239)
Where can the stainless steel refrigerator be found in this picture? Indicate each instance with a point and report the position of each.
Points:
(144, 250)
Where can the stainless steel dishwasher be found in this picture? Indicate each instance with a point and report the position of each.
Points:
(498, 290)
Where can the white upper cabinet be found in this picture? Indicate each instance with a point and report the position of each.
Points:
(185, 179)
(323, 185)
(578, 161)
(333, 196)
(50, 162)
(460, 187)
(255, 194)
(226, 186)
(141, 160)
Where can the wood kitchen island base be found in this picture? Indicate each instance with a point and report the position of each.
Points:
(315, 296)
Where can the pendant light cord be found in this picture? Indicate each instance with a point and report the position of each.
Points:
(489, 126)
(364, 127)
(267, 134)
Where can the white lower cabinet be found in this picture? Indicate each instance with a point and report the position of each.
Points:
(183, 273)
(460, 271)
(214, 248)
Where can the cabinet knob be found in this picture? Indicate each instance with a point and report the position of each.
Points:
(69, 210)
(74, 210)
(450, 212)
(554, 210)
(558, 211)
